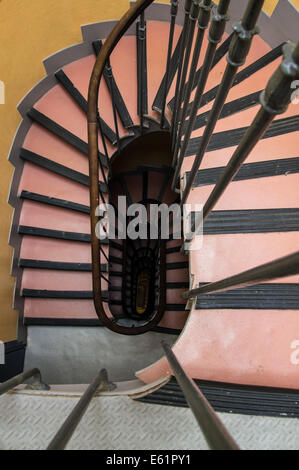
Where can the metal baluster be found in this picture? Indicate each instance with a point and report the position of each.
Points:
(110, 78)
(216, 31)
(37, 383)
(141, 28)
(216, 434)
(239, 48)
(104, 147)
(180, 66)
(282, 267)
(203, 21)
(274, 100)
(194, 12)
(68, 428)
(173, 13)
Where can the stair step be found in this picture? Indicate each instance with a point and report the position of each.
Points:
(58, 168)
(52, 201)
(282, 166)
(81, 101)
(260, 297)
(119, 101)
(231, 138)
(51, 294)
(63, 133)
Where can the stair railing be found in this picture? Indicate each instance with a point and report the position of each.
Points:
(37, 383)
(282, 267)
(216, 32)
(173, 14)
(239, 48)
(63, 436)
(216, 434)
(107, 48)
(180, 68)
(204, 14)
(274, 100)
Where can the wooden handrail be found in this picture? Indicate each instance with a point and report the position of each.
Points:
(111, 42)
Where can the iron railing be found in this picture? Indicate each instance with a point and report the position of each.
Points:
(100, 384)
(33, 374)
(274, 100)
(213, 429)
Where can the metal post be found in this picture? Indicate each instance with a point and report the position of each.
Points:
(282, 267)
(141, 31)
(112, 91)
(203, 21)
(65, 433)
(216, 434)
(194, 12)
(216, 31)
(173, 13)
(239, 48)
(37, 383)
(274, 100)
(180, 66)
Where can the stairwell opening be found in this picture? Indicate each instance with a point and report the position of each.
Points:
(138, 289)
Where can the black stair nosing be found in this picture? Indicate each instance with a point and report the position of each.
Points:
(57, 265)
(176, 307)
(267, 168)
(60, 294)
(52, 201)
(121, 107)
(63, 133)
(54, 167)
(82, 102)
(223, 408)
(115, 302)
(229, 109)
(167, 331)
(41, 321)
(251, 69)
(232, 137)
(116, 273)
(273, 296)
(116, 245)
(158, 101)
(177, 285)
(115, 260)
(220, 53)
(263, 401)
(88, 322)
(56, 234)
(252, 221)
(142, 69)
(174, 249)
(115, 289)
(177, 265)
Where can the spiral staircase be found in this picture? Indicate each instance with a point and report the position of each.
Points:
(235, 342)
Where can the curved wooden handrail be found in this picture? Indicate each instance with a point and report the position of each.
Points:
(108, 46)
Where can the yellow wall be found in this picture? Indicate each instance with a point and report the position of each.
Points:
(30, 30)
